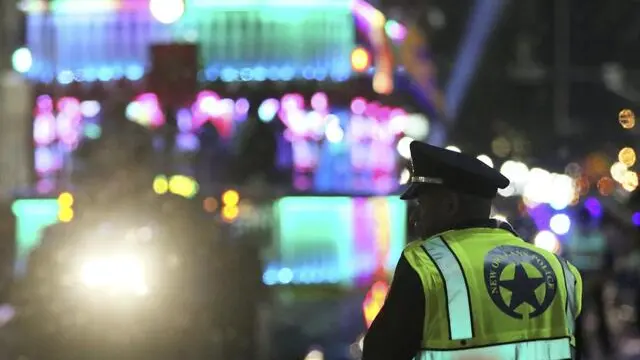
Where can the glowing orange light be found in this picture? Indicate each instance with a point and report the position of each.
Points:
(210, 204)
(374, 300)
(627, 118)
(360, 60)
(606, 186)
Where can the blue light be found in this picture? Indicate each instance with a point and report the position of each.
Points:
(593, 206)
(636, 219)
(105, 74)
(270, 277)
(229, 74)
(260, 73)
(65, 77)
(211, 73)
(285, 276)
(272, 73)
(287, 73)
(246, 74)
(134, 72)
(308, 73)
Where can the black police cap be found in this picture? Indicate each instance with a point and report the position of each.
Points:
(435, 166)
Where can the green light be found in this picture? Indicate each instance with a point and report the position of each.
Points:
(267, 37)
(32, 216)
(92, 131)
(334, 237)
(398, 221)
(318, 231)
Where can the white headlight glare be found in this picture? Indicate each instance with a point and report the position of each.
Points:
(122, 273)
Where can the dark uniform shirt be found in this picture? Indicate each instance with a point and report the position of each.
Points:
(396, 333)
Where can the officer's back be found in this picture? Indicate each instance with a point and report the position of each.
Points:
(481, 266)
(470, 286)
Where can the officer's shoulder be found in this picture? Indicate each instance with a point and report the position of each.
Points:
(413, 246)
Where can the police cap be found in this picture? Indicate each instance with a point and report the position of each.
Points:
(435, 166)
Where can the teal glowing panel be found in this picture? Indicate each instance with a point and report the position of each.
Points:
(32, 216)
(336, 239)
(238, 40)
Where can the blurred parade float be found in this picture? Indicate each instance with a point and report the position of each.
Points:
(326, 78)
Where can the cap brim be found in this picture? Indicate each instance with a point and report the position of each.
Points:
(411, 192)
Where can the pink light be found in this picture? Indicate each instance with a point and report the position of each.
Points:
(150, 112)
(383, 113)
(305, 155)
(373, 110)
(207, 93)
(364, 10)
(292, 101)
(208, 105)
(320, 102)
(147, 97)
(302, 182)
(358, 106)
(374, 18)
(395, 30)
(69, 105)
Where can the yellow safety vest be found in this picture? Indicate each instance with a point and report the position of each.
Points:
(487, 292)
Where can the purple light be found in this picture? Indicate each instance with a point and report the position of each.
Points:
(242, 106)
(593, 206)
(44, 103)
(636, 219)
(45, 161)
(184, 120)
(541, 216)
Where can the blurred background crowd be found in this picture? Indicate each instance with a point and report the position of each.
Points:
(190, 179)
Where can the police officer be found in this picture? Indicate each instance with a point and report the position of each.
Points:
(471, 286)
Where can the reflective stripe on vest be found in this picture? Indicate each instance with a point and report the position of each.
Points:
(570, 306)
(555, 349)
(455, 284)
